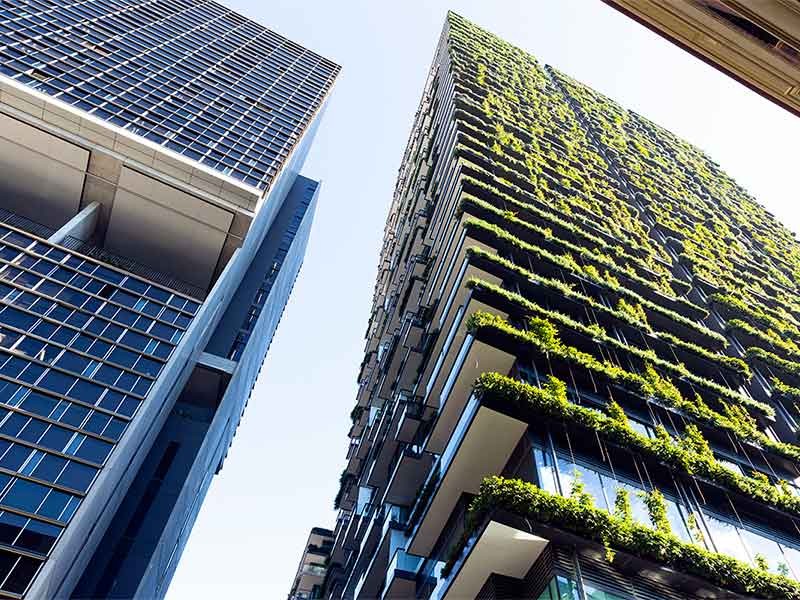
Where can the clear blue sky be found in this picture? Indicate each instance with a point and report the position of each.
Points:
(281, 474)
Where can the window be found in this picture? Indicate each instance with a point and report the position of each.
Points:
(563, 588)
(603, 486)
(750, 543)
(25, 495)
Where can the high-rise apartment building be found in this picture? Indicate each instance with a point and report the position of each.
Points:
(152, 224)
(582, 368)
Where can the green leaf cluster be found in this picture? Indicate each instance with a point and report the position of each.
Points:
(623, 535)
(690, 456)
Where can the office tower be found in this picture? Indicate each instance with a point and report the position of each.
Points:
(313, 565)
(756, 43)
(153, 222)
(581, 371)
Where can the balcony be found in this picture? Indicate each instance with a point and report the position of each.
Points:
(480, 445)
(462, 368)
(400, 582)
(497, 547)
(353, 461)
(409, 417)
(409, 473)
(463, 305)
(310, 575)
(454, 294)
(385, 537)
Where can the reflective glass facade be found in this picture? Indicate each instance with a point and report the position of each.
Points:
(190, 75)
(262, 294)
(81, 344)
(121, 385)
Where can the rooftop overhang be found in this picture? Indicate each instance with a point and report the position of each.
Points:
(739, 54)
(156, 207)
(484, 446)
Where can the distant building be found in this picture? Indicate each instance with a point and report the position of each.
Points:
(582, 367)
(152, 224)
(313, 565)
(757, 42)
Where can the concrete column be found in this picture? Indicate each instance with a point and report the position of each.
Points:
(80, 226)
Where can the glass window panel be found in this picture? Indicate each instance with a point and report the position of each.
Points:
(38, 536)
(123, 357)
(114, 429)
(594, 486)
(142, 386)
(96, 422)
(86, 391)
(77, 476)
(762, 546)
(148, 366)
(7, 562)
(676, 520)
(25, 495)
(638, 507)
(7, 391)
(56, 438)
(54, 505)
(546, 470)
(566, 470)
(58, 382)
(50, 467)
(107, 374)
(22, 575)
(10, 526)
(13, 424)
(567, 590)
(72, 362)
(31, 373)
(75, 415)
(33, 430)
(33, 461)
(94, 450)
(726, 538)
(39, 403)
(792, 556)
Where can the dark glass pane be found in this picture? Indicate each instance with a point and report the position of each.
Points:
(77, 476)
(54, 505)
(94, 450)
(38, 536)
(22, 575)
(25, 495)
(56, 438)
(15, 456)
(7, 562)
(49, 467)
(10, 526)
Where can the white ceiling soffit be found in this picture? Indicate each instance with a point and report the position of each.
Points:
(166, 229)
(41, 175)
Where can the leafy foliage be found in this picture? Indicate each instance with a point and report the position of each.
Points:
(624, 535)
(691, 456)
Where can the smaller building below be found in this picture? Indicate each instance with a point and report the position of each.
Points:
(308, 581)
